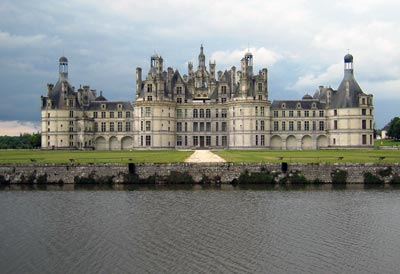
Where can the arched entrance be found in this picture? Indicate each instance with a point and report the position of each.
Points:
(127, 143)
(291, 143)
(306, 142)
(114, 145)
(276, 142)
(100, 143)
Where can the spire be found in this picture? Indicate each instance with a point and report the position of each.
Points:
(202, 58)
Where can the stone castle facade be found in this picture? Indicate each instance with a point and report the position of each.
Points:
(206, 109)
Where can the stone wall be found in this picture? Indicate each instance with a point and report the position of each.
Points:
(214, 172)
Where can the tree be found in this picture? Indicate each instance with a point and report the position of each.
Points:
(394, 128)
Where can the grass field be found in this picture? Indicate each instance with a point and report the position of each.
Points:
(170, 156)
(311, 156)
(391, 143)
(57, 156)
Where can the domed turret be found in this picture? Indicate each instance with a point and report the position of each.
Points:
(348, 58)
(307, 97)
(63, 67)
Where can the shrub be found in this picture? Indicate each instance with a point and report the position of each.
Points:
(176, 177)
(370, 178)
(395, 180)
(297, 178)
(339, 177)
(41, 179)
(3, 180)
(256, 178)
(387, 171)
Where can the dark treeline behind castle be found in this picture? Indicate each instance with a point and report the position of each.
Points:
(23, 141)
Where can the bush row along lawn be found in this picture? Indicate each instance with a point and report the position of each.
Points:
(57, 156)
(390, 143)
(311, 156)
(171, 156)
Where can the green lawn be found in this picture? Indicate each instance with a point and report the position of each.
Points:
(57, 156)
(391, 143)
(311, 156)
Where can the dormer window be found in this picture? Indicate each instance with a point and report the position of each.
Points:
(103, 106)
(283, 105)
(314, 105)
(119, 106)
(298, 105)
(179, 90)
(223, 90)
(149, 88)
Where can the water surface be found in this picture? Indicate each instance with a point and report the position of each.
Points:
(197, 230)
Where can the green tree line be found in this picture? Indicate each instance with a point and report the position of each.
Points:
(394, 128)
(23, 141)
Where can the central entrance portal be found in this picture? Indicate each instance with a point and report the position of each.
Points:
(201, 141)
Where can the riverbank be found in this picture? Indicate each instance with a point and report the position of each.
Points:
(205, 173)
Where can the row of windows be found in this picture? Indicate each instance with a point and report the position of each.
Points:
(111, 114)
(111, 126)
(290, 126)
(300, 113)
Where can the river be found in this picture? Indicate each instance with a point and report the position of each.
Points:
(199, 230)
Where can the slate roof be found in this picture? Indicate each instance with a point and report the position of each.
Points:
(343, 99)
(292, 104)
(110, 105)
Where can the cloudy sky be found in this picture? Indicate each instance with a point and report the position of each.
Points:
(301, 42)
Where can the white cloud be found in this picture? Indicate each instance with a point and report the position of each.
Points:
(262, 57)
(15, 128)
(8, 40)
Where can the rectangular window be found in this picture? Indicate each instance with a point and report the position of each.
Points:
(208, 141)
(186, 140)
(216, 126)
(335, 124)
(208, 113)
(119, 126)
(223, 90)
(216, 141)
(321, 113)
(283, 113)
(224, 141)
(364, 139)
(363, 111)
(111, 126)
(290, 113)
(148, 112)
(283, 126)
(95, 114)
(262, 111)
(223, 126)
(112, 114)
(201, 113)
(314, 125)
(364, 124)
(148, 125)
(195, 126)
(306, 113)
(103, 114)
(256, 125)
(179, 113)
(179, 141)
(256, 140)
(148, 140)
(103, 127)
(119, 114)
(260, 85)
(224, 113)
(313, 113)
(127, 114)
(256, 111)
(306, 125)
(178, 127)
(275, 113)
(262, 125)
(321, 125)
(141, 125)
(208, 126)
(223, 100)
(179, 100)
(298, 125)
(291, 126)
(195, 113)
(186, 126)
(96, 127)
(71, 114)
(335, 112)
(179, 90)
(276, 127)
(216, 113)
(370, 124)
(263, 140)
(201, 126)
(149, 87)
(298, 113)
(195, 141)
(128, 126)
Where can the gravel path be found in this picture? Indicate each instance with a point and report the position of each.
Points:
(204, 156)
